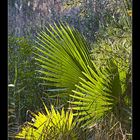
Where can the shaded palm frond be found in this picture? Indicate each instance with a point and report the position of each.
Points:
(99, 95)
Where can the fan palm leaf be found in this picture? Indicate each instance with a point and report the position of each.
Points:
(62, 53)
(100, 94)
(52, 126)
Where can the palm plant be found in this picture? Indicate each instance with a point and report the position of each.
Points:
(51, 126)
(66, 62)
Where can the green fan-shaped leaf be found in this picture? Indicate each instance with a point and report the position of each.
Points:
(62, 54)
(98, 95)
(51, 126)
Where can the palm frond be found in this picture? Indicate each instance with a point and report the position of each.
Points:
(52, 126)
(62, 54)
(99, 95)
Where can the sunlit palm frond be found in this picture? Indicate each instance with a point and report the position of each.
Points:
(50, 126)
(63, 54)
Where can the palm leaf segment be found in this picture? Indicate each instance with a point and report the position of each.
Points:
(98, 95)
(52, 126)
(62, 54)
